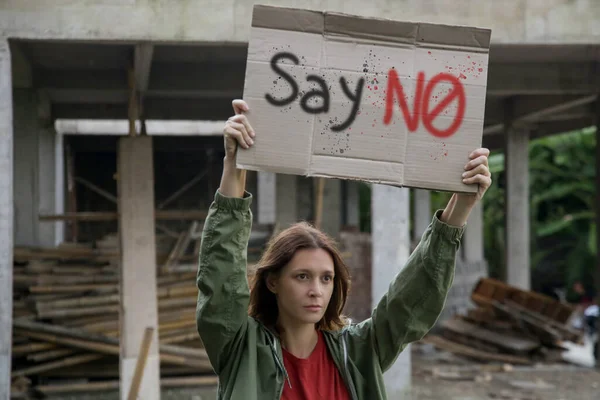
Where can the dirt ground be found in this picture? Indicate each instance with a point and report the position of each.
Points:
(442, 376)
(439, 375)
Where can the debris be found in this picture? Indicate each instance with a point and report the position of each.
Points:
(510, 395)
(508, 325)
(532, 385)
(66, 317)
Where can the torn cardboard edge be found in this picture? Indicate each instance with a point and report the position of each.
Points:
(327, 22)
(406, 169)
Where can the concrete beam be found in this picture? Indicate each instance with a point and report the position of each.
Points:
(504, 79)
(142, 64)
(332, 206)
(153, 127)
(422, 213)
(189, 21)
(390, 213)
(266, 197)
(542, 78)
(540, 129)
(21, 67)
(138, 263)
(286, 205)
(473, 237)
(536, 108)
(517, 207)
(6, 218)
(160, 109)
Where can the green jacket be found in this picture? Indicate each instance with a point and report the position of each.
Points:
(247, 356)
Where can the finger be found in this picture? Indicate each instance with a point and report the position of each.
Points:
(239, 106)
(479, 152)
(244, 120)
(242, 129)
(237, 135)
(480, 169)
(481, 160)
(482, 180)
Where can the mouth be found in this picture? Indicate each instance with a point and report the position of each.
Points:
(313, 308)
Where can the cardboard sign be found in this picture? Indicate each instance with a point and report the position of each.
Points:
(383, 101)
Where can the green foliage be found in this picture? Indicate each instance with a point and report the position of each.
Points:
(562, 209)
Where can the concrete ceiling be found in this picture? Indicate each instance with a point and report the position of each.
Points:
(551, 88)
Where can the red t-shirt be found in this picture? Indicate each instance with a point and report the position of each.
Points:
(315, 377)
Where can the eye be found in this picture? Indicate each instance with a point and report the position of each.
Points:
(302, 276)
(328, 278)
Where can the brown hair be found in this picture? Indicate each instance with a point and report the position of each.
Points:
(280, 250)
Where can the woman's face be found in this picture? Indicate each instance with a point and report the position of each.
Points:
(304, 287)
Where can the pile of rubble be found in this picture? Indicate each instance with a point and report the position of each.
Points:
(508, 325)
(66, 317)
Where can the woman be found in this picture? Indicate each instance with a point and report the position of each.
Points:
(286, 338)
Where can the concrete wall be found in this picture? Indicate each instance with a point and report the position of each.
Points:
(34, 170)
(524, 21)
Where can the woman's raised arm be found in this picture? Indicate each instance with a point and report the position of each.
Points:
(223, 294)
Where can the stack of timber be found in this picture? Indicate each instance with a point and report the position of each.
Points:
(508, 325)
(66, 316)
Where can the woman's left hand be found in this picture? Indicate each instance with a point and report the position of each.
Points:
(477, 172)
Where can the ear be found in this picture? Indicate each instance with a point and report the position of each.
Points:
(271, 281)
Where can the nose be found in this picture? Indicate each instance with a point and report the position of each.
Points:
(316, 290)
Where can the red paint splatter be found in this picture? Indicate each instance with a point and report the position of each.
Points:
(428, 52)
(480, 69)
(468, 56)
(446, 153)
(376, 87)
(462, 76)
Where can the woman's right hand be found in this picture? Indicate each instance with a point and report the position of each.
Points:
(237, 130)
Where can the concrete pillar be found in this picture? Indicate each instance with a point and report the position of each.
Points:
(517, 206)
(138, 263)
(285, 205)
(351, 203)
(59, 188)
(6, 219)
(422, 210)
(332, 207)
(473, 236)
(597, 275)
(305, 198)
(34, 171)
(390, 208)
(266, 190)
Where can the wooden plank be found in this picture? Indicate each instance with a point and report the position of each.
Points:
(91, 216)
(565, 331)
(141, 364)
(488, 289)
(467, 351)
(194, 381)
(511, 344)
(138, 262)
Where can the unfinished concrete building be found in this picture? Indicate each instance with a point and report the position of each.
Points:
(128, 61)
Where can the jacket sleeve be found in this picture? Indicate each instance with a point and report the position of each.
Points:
(416, 296)
(223, 294)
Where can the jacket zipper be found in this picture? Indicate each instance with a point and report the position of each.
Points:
(279, 364)
(346, 371)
